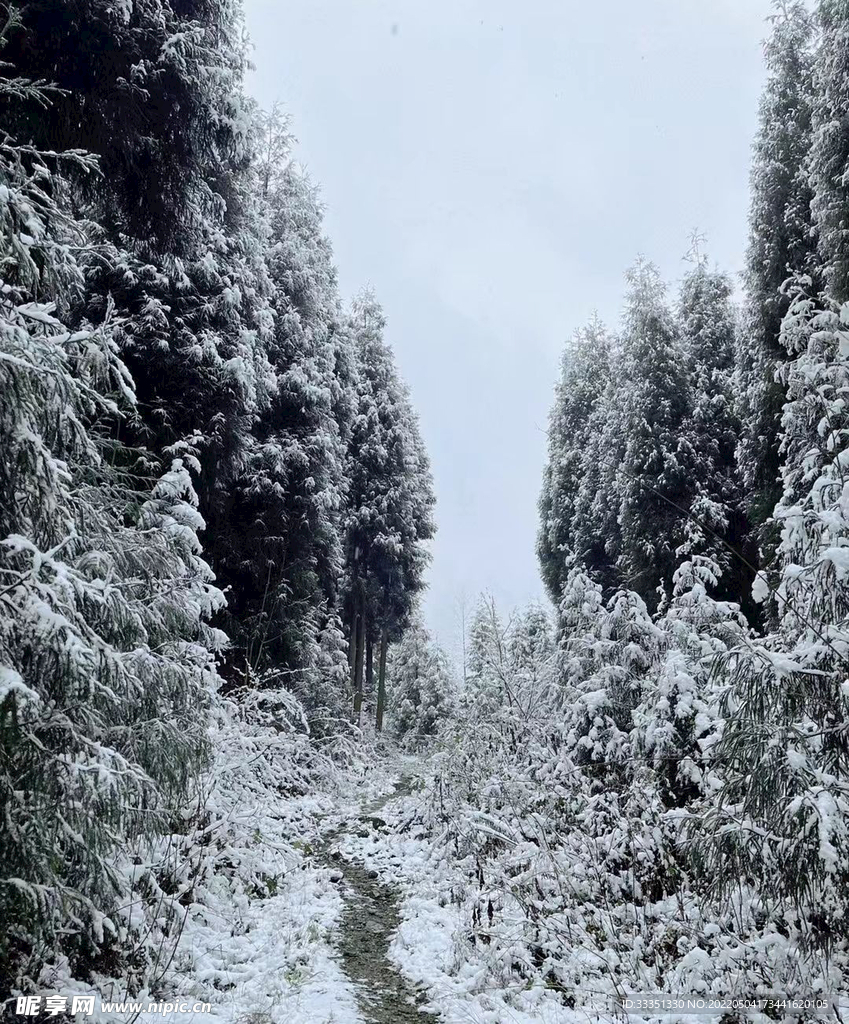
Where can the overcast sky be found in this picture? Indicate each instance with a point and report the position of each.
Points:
(491, 168)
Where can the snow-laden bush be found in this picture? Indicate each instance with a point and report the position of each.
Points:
(571, 794)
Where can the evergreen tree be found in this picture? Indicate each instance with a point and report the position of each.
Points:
(172, 352)
(285, 557)
(106, 660)
(652, 406)
(153, 90)
(708, 332)
(511, 674)
(195, 334)
(420, 686)
(830, 148)
(531, 640)
(677, 723)
(781, 244)
(608, 652)
(598, 534)
(389, 513)
(707, 324)
(782, 818)
(488, 661)
(584, 376)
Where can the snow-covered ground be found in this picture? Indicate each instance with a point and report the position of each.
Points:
(260, 955)
(269, 958)
(259, 943)
(269, 954)
(431, 947)
(277, 909)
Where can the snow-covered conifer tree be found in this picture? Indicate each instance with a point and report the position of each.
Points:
(830, 148)
(708, 332)
(652, 405)
(389, 511)
(678, 722)
(781, 244)
(285, 558)
(608, 652)
(584, 376)
(420, 688)
(782, 817)
(107, 664)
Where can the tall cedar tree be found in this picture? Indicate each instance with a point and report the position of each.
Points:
(830, 150)
(781, 244)
(651, 408)
(154, 91)
(169, 315)
(708, 326)
(787, 718)
(584, 377)
(389, 514)
(284, 555)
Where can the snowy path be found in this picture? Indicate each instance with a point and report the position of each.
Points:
(455, 981)
(361, 921)
(369, 921)
(313, 945)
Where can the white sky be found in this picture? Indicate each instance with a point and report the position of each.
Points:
(492, 168)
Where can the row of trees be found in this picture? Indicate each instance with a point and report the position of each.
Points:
(642, 434)
(658, 787)
(684, 405)
(174, 359)
(667, 399)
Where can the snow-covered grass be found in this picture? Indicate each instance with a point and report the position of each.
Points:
(266, 956)
(257, 939)
(434, 948)
(466, 933)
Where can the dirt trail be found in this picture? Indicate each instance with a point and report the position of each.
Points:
(370, 919)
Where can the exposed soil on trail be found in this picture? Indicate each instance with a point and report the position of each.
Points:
(368, 923)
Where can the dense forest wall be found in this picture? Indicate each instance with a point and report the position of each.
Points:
(213, 484)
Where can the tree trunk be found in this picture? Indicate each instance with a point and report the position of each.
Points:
(352, 639)
(369, 666)
(358, 663)
(381, 681)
